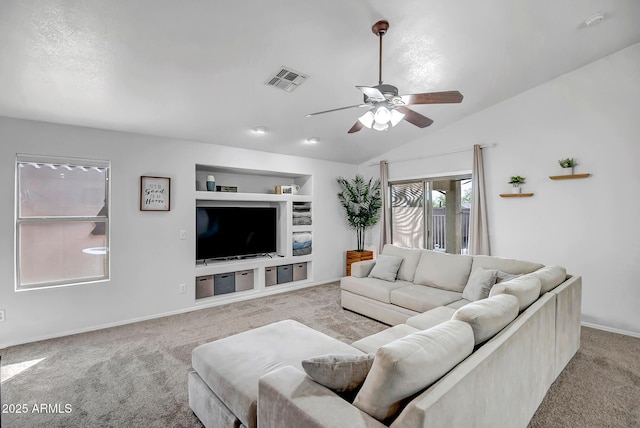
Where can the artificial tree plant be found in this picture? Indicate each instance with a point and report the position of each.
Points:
(362, 202)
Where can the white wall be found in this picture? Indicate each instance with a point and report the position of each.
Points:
(590, 226)
(148, 260)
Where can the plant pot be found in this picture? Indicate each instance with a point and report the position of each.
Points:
(354, 256)
(516, 189)
(569, 170)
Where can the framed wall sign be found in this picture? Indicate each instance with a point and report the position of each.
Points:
(155, 193)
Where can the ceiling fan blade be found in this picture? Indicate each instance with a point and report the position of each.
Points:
(373, 94)
(415, 118)
(338, 109)
(355, 128)
(433, 98)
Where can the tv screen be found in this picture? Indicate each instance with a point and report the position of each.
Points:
(225, 232)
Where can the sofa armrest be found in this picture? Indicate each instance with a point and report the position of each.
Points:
(362, 269)
(287, 397)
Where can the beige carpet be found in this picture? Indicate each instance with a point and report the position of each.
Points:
(136, 375)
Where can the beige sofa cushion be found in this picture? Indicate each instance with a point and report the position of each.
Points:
(431, 318)
(373, 288)
(479, 284)
(410, 256)
(550, 277)
(458, 304)
(511, 266)
(370, 344)
(488, 316)
(420, 298)
(410, 364)
(442, 270)
(526, 289)
(343, 372)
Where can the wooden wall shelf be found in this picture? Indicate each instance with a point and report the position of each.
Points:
(516, 195)
(568, 176)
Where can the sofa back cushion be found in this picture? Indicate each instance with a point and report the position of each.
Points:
(410, 257)
(488, 316)
(410, 364)
(442, 270)
(526, 289)
(511, 266)
(550, 277)
(479, 284)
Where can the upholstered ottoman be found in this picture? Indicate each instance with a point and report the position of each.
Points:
(223, 389)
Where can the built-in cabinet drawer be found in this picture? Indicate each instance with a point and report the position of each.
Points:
(224, 283)
(204, 286)
(285, 274)
(244, 280)
(270, 276)
(299, 271)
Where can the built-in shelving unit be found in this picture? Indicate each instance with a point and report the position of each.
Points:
(516, 195)
(222, 279)
(568, 176)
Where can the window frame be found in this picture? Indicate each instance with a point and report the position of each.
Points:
(19, 220)
(427, 202)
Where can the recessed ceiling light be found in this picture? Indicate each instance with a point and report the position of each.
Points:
(260, 130)
(311, 140)
(594, 20)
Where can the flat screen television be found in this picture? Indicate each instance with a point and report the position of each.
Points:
(230, 232)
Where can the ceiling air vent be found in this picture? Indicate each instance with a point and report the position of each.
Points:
(286, 79)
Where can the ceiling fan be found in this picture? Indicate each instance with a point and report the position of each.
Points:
(385, 107)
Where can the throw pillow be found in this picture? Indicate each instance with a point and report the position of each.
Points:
(479, 284)
(386, 267)
(410, 364)
(340, 373)
(504, 276)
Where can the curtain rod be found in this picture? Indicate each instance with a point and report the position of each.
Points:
(436, 154)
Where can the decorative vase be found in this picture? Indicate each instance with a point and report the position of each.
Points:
(516, 189)
(211, 183)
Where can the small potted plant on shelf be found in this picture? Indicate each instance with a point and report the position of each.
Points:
(568, 163)
(516, 181)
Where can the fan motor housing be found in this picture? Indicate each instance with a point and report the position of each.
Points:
(389, 91)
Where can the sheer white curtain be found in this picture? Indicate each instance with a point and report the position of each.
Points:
(385, 221)
(478, 224)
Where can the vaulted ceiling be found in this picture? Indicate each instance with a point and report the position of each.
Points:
(196, 70)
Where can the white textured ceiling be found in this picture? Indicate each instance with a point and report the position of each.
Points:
(195, 69)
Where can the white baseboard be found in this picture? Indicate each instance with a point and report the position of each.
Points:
(218, 302)
(611, 329)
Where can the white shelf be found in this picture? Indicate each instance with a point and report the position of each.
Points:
(302, 228)
(259, 197)
(223, 266)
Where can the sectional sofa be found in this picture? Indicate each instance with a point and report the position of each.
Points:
(473, 341)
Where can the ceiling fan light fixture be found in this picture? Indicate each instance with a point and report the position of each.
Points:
(382, 115)
(396, 117)
(381, 126)
(367, 119)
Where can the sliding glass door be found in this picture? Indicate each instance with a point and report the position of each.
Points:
(431, 213)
